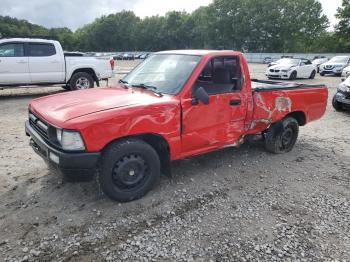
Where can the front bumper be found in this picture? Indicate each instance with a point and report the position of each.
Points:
(278, 75)
(342, 98)
(78, 165)
(334, 71)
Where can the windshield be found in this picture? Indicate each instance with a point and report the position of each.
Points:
(319, 60)
(339, 59)
(288, 61)
(166, 73)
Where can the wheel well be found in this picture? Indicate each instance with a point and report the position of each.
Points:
(159, 144)
(299, 116)
(86, 70)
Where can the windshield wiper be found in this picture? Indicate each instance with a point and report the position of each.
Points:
(124, 82)
(148, 87)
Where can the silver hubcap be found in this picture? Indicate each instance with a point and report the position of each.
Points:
(82, 83)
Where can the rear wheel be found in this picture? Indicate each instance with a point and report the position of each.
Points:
(313, 74)
(336, 105)
(129, 169)
(293, 75)
(81, 80)
(282, 136)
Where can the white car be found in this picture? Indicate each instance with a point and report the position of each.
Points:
(319, 61)
(292, 68)
(345, 74)
(25, 61)
(335, 66)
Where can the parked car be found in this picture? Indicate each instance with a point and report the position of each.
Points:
(131, 132)
(267, 60)
(144, 56)
(341, 99)
(118, 56)
(319, 61)
(25, 61)
(345, 74)
(292, 68)
(127, 56)
(335, 65)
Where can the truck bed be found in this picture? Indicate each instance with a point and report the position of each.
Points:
(275, 100)
(267, 85)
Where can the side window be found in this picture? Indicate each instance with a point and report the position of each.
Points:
(41, 49)
(221, 75)
(11, 50)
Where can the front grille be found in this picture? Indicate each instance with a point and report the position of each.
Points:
(274, 71)
(39, 125)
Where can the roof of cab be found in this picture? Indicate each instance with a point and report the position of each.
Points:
(196, 52)
(39, 40)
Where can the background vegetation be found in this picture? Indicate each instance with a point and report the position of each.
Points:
(249, 25)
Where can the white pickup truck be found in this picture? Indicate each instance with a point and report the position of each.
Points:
(26, 61)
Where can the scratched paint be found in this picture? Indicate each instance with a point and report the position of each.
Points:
(264, 114)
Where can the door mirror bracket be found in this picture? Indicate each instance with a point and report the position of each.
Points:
(200, 95)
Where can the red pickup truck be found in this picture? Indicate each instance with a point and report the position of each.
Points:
(173, 105)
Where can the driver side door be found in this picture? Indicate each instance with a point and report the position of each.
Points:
(221, 122)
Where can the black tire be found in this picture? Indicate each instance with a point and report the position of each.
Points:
(129, 169)
(81, 81)
(322, 74)
(293, 75)
(336, 105)
(313, 74)
(282, 136)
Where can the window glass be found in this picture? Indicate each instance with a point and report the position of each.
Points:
(166, 72)
(11, 50)
(221, 75)
(41, 49)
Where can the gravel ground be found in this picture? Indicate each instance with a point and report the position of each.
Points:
(237, 204)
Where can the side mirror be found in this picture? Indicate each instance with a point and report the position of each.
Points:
(200, 95)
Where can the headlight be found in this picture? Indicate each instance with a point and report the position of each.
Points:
(70, 140)
(344, 88)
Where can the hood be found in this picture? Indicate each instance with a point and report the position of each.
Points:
(281, 67)
(60, 108)
(334, 64)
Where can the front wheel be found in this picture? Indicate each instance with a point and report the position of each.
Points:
(293, 75)
(322, 74)
(282, 136)
(81, 80)
(313, 74)
(129, 169)
(336, 105)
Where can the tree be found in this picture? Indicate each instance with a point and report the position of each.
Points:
(343, 27)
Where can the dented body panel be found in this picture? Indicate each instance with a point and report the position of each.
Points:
(106, 115)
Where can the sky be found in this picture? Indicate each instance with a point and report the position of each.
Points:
(76, 13)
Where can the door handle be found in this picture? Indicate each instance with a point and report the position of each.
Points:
(21, 62)
(55, 61)
(235, 102)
